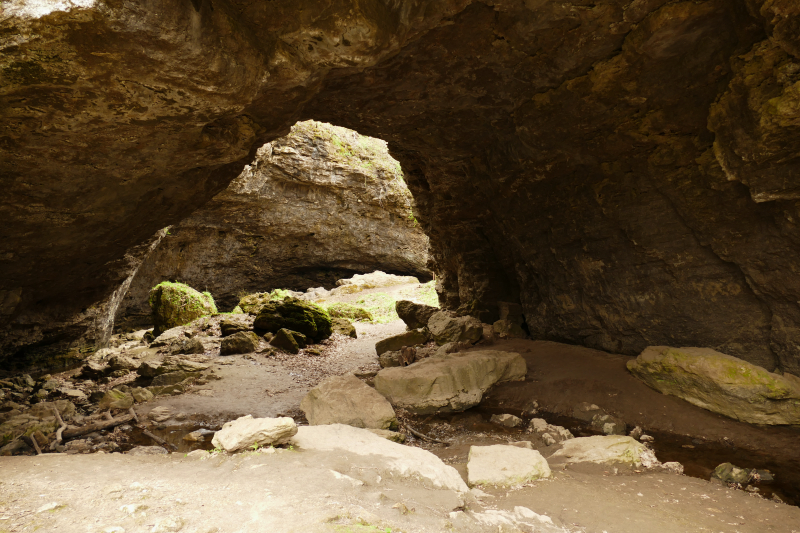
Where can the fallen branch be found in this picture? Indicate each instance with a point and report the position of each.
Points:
(61, 429)
(423, 436)
(71, 433)
(158, 439)
(31, 441)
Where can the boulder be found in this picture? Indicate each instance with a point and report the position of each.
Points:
(342, 326)
(176, 304)
(390, 359)
(729, 473)
(253, 303)
(721, 383)
(505, 466)
(141, 395)
(609, 425)
(392, 459)
(295, 315)
(120, 362)
(413, 314)
(243, 432)
(449, 383)
(115, 399)
(397, 342)
(614, 449)
(241, 342)
(148, 369)
(548, 433)
(506, 329)
(347, 400)
(233, 324)
(169, 337)
(94, 369)
(509, 421)
(188, 346)
(287, 340)
(446, 328)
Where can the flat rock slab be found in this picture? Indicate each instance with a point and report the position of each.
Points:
(396, 342)
(347, 400)
(505, 466)
(246, 431)
(612, 449)
(394, 459)
(452, 382)
(721, 383)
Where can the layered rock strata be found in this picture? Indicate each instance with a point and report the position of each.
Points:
(624, 170)
(315, 206)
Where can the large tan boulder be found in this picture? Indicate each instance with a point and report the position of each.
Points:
(505, 466)
(720, 383)
(347, 400)
(247, 431)
(446, 328)
(612, 449)
(452, 382)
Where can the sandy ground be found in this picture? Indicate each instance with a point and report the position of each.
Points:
(297, 490)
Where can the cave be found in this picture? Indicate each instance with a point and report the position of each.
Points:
(622, 172)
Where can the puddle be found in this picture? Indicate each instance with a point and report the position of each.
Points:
(699, 458)
(176, 435)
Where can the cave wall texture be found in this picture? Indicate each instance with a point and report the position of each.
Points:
(626, 170)
(318, 205)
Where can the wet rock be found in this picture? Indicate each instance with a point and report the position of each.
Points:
(348, 400)
(721, 383)
(194, 436)
(613, 449)
(586, 411)
(115, 399)
(241, 342)
(295, 315)
(147, 450)
(397, 342)
(188, 346)
(548, 433)
(450, 383)
(141, 395)
(415, 315)
(392, 459)
(509, 421)
(505, 466)
(730, 473)
(230, 325)
(343, 326)
(446, 328)
(243, 432)
(609, 425)
(176, 304)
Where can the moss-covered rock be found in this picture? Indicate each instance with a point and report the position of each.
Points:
(720, 383)
(342, 326)
(252, 304)
(285, 340)
(350, 311)
(239, 342)
(295, 315)
(176, 304)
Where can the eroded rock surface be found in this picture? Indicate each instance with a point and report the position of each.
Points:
(624, 170)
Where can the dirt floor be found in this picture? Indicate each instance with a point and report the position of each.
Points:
(296, 490)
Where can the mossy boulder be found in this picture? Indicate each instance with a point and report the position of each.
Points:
(176, 304)
(295, 315)
(252, 304)
(349, 311)
(721, 383)
(239, 342)
(288, 341)
(342, 326)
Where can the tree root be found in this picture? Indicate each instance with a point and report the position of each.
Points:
(422, 435)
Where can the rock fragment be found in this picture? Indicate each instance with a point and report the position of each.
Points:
(614, 449)
(401, 340)
(505, 466)
(241, 342)
(413, 314)
(446, 328)
(348, 400)
(246, 431)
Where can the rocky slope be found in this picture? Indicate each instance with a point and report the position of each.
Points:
(626, 170)
(314, 207)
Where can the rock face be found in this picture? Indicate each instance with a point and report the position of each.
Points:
(623, 170)
(446, 328)
(347, 400)
(246, 431)
(176, 304)
(448, 383)
(720, 383)
(395, 459)
(314, 206)
(505, 466)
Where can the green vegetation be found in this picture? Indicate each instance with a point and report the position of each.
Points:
(380, 305)
(427, 294)
(345, 310)
(177, 304)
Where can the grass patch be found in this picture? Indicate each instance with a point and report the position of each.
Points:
(345, 310)
(380, 305)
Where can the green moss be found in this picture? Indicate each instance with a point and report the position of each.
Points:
(380, 305)
(345, 310)
(177, 304)
(296, 315)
